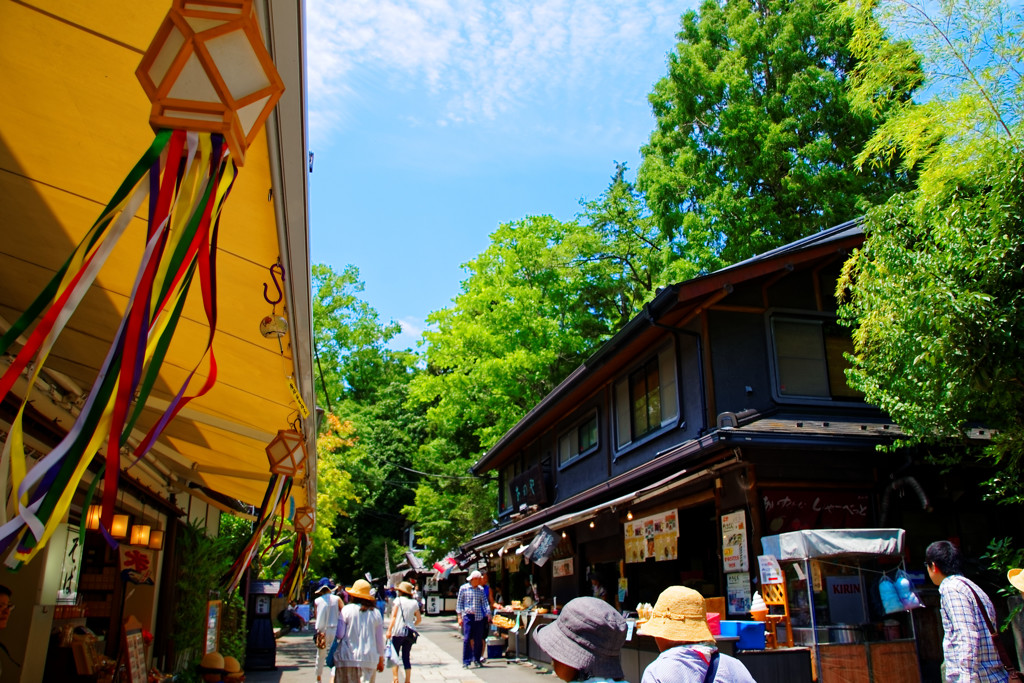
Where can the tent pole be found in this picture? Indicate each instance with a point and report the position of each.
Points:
(814, 617)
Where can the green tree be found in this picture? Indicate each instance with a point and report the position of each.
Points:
(336, 494)
(537, 302)
(756, 137)
(350, 339)
(936, 293)
(367, 435)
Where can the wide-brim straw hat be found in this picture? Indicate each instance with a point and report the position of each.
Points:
(323, 589)
(679, 616)
(405, 587)
(587, 636)
(1016, 577)
(361, 589)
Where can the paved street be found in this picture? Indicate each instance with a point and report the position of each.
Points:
(436, 658)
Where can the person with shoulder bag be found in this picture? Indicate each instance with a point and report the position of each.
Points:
(405, 616)
(970, 646)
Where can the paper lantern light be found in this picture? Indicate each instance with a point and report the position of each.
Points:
(156, 539)
(207, 69)
(92, 517)
(287, 453)
(119, 526)
(140, 534)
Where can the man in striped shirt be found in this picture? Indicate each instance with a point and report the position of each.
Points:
(474, 614)
(970, 656)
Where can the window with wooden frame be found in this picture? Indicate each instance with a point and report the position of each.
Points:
(645, 398)
(578, 441)
(809, 359)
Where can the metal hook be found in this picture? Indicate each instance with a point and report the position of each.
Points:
(274, 269)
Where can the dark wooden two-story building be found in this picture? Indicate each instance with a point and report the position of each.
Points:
(718, 415)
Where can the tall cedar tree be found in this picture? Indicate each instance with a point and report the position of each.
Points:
(756, 138)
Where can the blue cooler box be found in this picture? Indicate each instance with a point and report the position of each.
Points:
(495, 648)
(750, 634)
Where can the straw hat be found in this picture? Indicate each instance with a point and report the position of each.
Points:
(405, 587)
(361, 589)
(233, 670)
(587, 636)
(212, 661)
(1016, 577)
(679, 616)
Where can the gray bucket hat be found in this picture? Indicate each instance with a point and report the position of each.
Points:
(587, 636)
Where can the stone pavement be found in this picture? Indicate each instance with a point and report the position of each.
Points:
(435, 659)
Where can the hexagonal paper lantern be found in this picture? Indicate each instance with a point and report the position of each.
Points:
(287, 453)
(207, 69)
(303, 521)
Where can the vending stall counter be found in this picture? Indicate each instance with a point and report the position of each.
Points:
(834, 579)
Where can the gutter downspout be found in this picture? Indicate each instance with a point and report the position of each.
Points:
(291, 206)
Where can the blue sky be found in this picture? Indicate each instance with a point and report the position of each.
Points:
(434, 121)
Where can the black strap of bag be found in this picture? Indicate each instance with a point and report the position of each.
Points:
(1004, 656)
(410, 633)
(712, 672)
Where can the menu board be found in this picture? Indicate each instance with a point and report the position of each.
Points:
(135, 654)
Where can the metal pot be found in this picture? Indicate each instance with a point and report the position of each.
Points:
(845, 633)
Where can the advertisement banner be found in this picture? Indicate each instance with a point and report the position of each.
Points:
(734, 542)
(655, 537)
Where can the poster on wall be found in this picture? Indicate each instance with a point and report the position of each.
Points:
(771, 572)
(737, 591)
(654, 537)
(734, 542)
(561, 567)
(67, 590)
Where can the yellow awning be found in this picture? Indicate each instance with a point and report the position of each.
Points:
(73, 122)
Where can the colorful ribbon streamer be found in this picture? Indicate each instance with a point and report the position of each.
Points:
(187, 177)
(278, 493)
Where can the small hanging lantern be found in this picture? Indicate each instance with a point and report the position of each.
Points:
(92, 517)
(156, 539)
(208, 69)
(287, 453)
(303, 520)
(119, 526)
(140, 534)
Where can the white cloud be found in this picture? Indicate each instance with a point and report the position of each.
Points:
(478, 60)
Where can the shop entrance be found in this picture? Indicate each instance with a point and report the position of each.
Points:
(696, 563)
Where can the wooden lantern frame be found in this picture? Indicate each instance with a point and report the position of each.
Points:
(181, 53)
(304, 519)
(287, 453)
